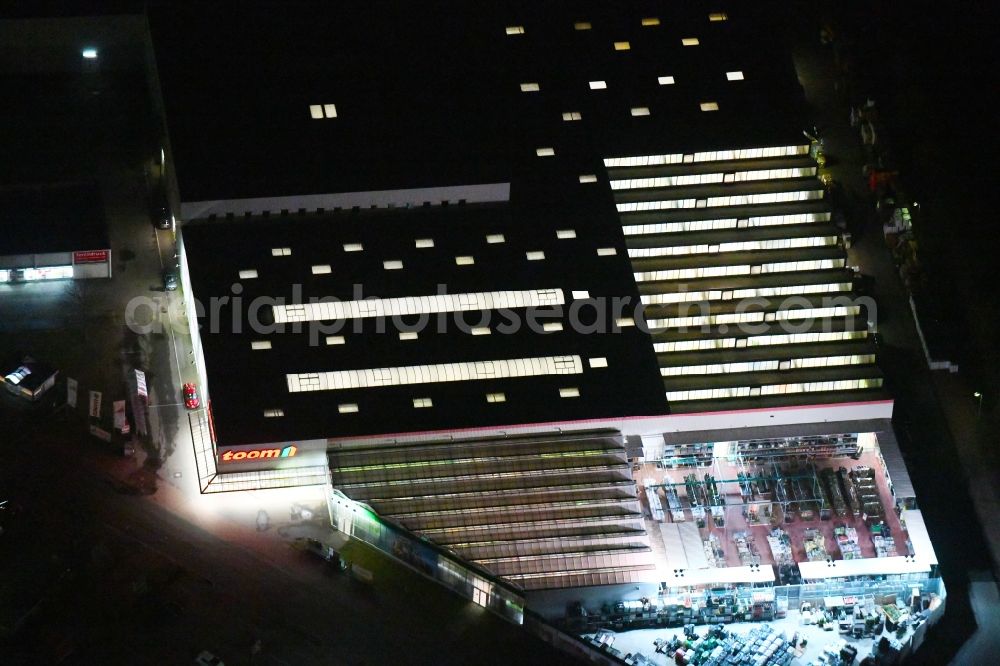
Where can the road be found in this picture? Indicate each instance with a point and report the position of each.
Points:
(154, 579)
(932, 419)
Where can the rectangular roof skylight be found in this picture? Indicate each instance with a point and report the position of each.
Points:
(429, 374)
(415, 305)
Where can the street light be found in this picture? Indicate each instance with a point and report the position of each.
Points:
(89, 53)
(979, 408)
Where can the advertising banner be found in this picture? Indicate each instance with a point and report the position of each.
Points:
(71, 387)
(90, 257)
(95, 404)
(119, 412)
(140, 383)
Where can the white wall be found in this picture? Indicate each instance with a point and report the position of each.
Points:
(656, 425)
(84, 271)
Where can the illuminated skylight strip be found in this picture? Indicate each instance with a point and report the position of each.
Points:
(702, 344)
(739, 269)
(730, 200)
(712, 178)
(736, 294)
(724, 223)
(416, 305)
(775, 389)
(429, 374)
(767, 365)
(735, 246)
(707, 156)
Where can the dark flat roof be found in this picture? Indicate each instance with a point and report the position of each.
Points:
(245, 382)
(428, 94)
(51, 218)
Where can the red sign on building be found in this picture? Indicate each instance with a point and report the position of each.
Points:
(90, 257)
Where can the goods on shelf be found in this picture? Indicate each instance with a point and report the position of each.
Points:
(885, 544)
(680, 610)
(781, 549)
(844, 482)
(807, 498)
(719, 516)
(864, 493)
(847, 541)
(818, 446)
(746, 486)
(815, 545)
(757, 514)
(784, 494)
(653, 498)
(698, 515)
(781, 546)
(686, 455)
(675, 506)
(833, 494)
(712, 492)
(762, 646)
(745, 548)
(713, 551)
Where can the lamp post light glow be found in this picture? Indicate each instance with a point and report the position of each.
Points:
(89, 53)
(979, 408)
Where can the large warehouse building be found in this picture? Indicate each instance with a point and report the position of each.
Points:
(554, 300)
(53, 232)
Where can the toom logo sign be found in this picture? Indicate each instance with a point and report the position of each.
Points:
(257, 454)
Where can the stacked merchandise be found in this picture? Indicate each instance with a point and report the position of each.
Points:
(847, 490)
(828, 480)
(716, 501)
(763, 607)
(763, 485)
(686, 455)
(847, 541)
(713, 551)
(746, 549)
(721, 609)
(807, 499)
(655, 508)
(815, 545)
(762, 646)
(674, 503)
(826, 500)
(746, 487)
(784, 494)
(781, 548)
(865, 493)
(719, 516)
(676, 611)
(695, 493)
(885, 545)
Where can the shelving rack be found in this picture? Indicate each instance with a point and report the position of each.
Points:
(676, 456)
(809, 447)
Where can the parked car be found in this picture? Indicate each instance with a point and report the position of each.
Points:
(170, 280)
(162, 217)
(191, 399)
(206, 658)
